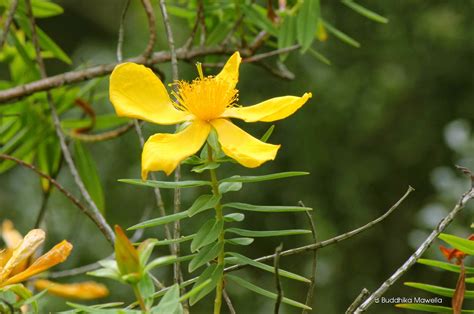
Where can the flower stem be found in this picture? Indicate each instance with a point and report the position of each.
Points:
(219, 217)
(139, 297)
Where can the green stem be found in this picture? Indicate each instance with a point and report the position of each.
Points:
(219, 217)
(139, 297)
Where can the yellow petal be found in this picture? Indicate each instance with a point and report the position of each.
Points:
(136, 92)
(56, 255)
(24, 250)
(270, 110)
(87, 290)
(163, 152)
(10, 235)
(230, 71)
(241, 146)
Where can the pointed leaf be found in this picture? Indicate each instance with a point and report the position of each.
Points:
(240, 241)
(271, 233)
(202, 203)
(365, 12)
(269, 209)
(160, 221)
(206, 254)
(267, 177)
(166, 184)
(208, 233)
(307, 23)
(214, 273)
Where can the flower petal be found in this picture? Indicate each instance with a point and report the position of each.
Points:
(56, 255)
(270, 110)
(87, 290)
(10, 235)
(163, 152)
(241, 146)
(24, 250)
(230, 71)
(136, 92)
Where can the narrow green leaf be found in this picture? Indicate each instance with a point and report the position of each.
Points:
(88, 173)
(207, 234)
(371, 15)
(240, 241)
(226, 187)
(171, 241)
(166, 184)
(319, 56)
(202, 203)
(170, 302)
(160, 261)
(445, 266)
(266, 209)
(42, 9)
(268, 133)
(340, 35)
(272, 233)
(307, 23)
(214, 273)
(245, 284)
(160, 221)
(206, 254)
(206, 166)
(267, 177)
(244, 260)
(464, 245)
(234, 217)
(195, 290)
(286, 35)
(256, 15)
(445, 292)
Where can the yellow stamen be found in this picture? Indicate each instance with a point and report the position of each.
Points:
(206, 98)
(199, 68)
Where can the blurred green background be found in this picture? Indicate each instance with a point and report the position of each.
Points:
(381, 118)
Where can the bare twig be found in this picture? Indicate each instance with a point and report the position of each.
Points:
(66, 193)
(309, 296)
(417, 254)
(121, 31)
(321, 244)
(360, 298)
(178, 276)
(202, 21)
(276, 265)
(104, 136)
(261, 56)
(152, 28)
(228, 302)
(42, 210)
(8, 22)
(94, 211)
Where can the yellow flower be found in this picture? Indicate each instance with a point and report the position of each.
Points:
(205, 103)
(87, 290)
(14, 259)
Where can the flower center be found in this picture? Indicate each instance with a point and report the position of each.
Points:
(206, 97)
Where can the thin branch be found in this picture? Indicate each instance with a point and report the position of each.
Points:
(202, 21)
(417, 254)
(321, 244)
(104, 136)
(61, 189)
(228, 302)
(150, 14)
(330, 241)
(8, 22)
(276, 265)
(43, 208)
(178, 276)
(309, 296)
(94, 211)
(121, 31)
(265, 55)
(358, 300)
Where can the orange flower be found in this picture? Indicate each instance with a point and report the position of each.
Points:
(83, 291)
(454, 253)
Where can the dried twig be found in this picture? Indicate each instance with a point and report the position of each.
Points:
(104, 136)
(178, 276)
(61, 189)
(261, 56)
(121, 31)
(94, 211)
(228, 302)
(358, 300)
(418, 253)
(321, 244)
(8, 22)
(152, 28)
(276, 265)
(309, 295)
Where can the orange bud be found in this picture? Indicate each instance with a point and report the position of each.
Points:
(87, 290)
(125, 254)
